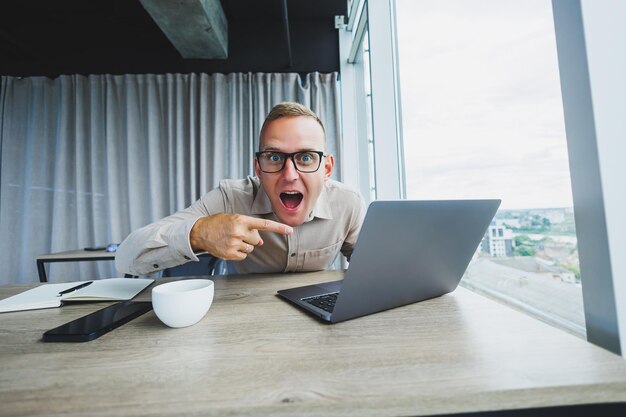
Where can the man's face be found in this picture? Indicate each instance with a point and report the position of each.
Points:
(293, 194)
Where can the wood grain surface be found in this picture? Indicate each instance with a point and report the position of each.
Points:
(254, 354)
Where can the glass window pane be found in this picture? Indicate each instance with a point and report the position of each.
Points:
(483, 118)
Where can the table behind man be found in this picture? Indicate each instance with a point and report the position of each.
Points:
(290, 217)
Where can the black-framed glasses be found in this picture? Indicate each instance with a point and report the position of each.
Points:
(304, 161)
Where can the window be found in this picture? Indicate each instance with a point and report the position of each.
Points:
(370, 100)
(482, 118)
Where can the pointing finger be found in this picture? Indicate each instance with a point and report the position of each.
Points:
(270, 226)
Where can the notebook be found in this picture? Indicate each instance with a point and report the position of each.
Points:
(54, 295)
(407, 251)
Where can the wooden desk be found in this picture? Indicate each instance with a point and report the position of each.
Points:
(71, 256)
(254, 354)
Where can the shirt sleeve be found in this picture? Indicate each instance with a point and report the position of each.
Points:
(354, 227)
(165, 243)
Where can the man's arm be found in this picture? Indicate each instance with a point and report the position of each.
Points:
(203, 227)
(164, 243)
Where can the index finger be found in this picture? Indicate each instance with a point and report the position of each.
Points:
(269, 225)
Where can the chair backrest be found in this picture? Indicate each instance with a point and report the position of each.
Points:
(208, 265)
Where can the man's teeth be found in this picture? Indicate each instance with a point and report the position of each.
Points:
(292, 192)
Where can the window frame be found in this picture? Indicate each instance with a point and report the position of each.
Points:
(367, 16)
(593, 86)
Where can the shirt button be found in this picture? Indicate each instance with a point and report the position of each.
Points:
(156, 265)
(293, 254)
(187, 257)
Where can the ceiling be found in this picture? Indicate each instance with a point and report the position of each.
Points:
(52, 37)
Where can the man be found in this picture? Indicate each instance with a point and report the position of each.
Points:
(290, 217)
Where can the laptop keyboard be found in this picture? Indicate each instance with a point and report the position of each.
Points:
(326, 301)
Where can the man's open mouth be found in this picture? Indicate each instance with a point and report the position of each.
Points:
(291, 199)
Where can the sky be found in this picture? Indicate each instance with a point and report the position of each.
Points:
(481, 102)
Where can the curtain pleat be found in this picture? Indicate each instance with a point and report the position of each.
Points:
(87, 159)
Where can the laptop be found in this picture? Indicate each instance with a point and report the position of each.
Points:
(407, 251)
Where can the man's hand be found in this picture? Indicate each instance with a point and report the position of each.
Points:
(231, 236)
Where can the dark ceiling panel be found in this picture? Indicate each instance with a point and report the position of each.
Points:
(44, 37)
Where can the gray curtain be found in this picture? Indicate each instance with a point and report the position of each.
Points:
(87, 159)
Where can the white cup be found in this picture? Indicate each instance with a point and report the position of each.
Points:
(182, 303)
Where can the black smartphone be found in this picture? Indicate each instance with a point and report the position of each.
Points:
(96, 324)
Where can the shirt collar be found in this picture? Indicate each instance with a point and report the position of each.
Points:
(263, 205)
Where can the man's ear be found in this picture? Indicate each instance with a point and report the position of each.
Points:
(257, 168)
(329, 165)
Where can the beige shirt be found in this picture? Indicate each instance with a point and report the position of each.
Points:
(332, 226)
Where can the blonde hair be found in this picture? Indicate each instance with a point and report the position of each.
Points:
(289, 109)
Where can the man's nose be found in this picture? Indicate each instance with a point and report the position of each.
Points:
(290, 172)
